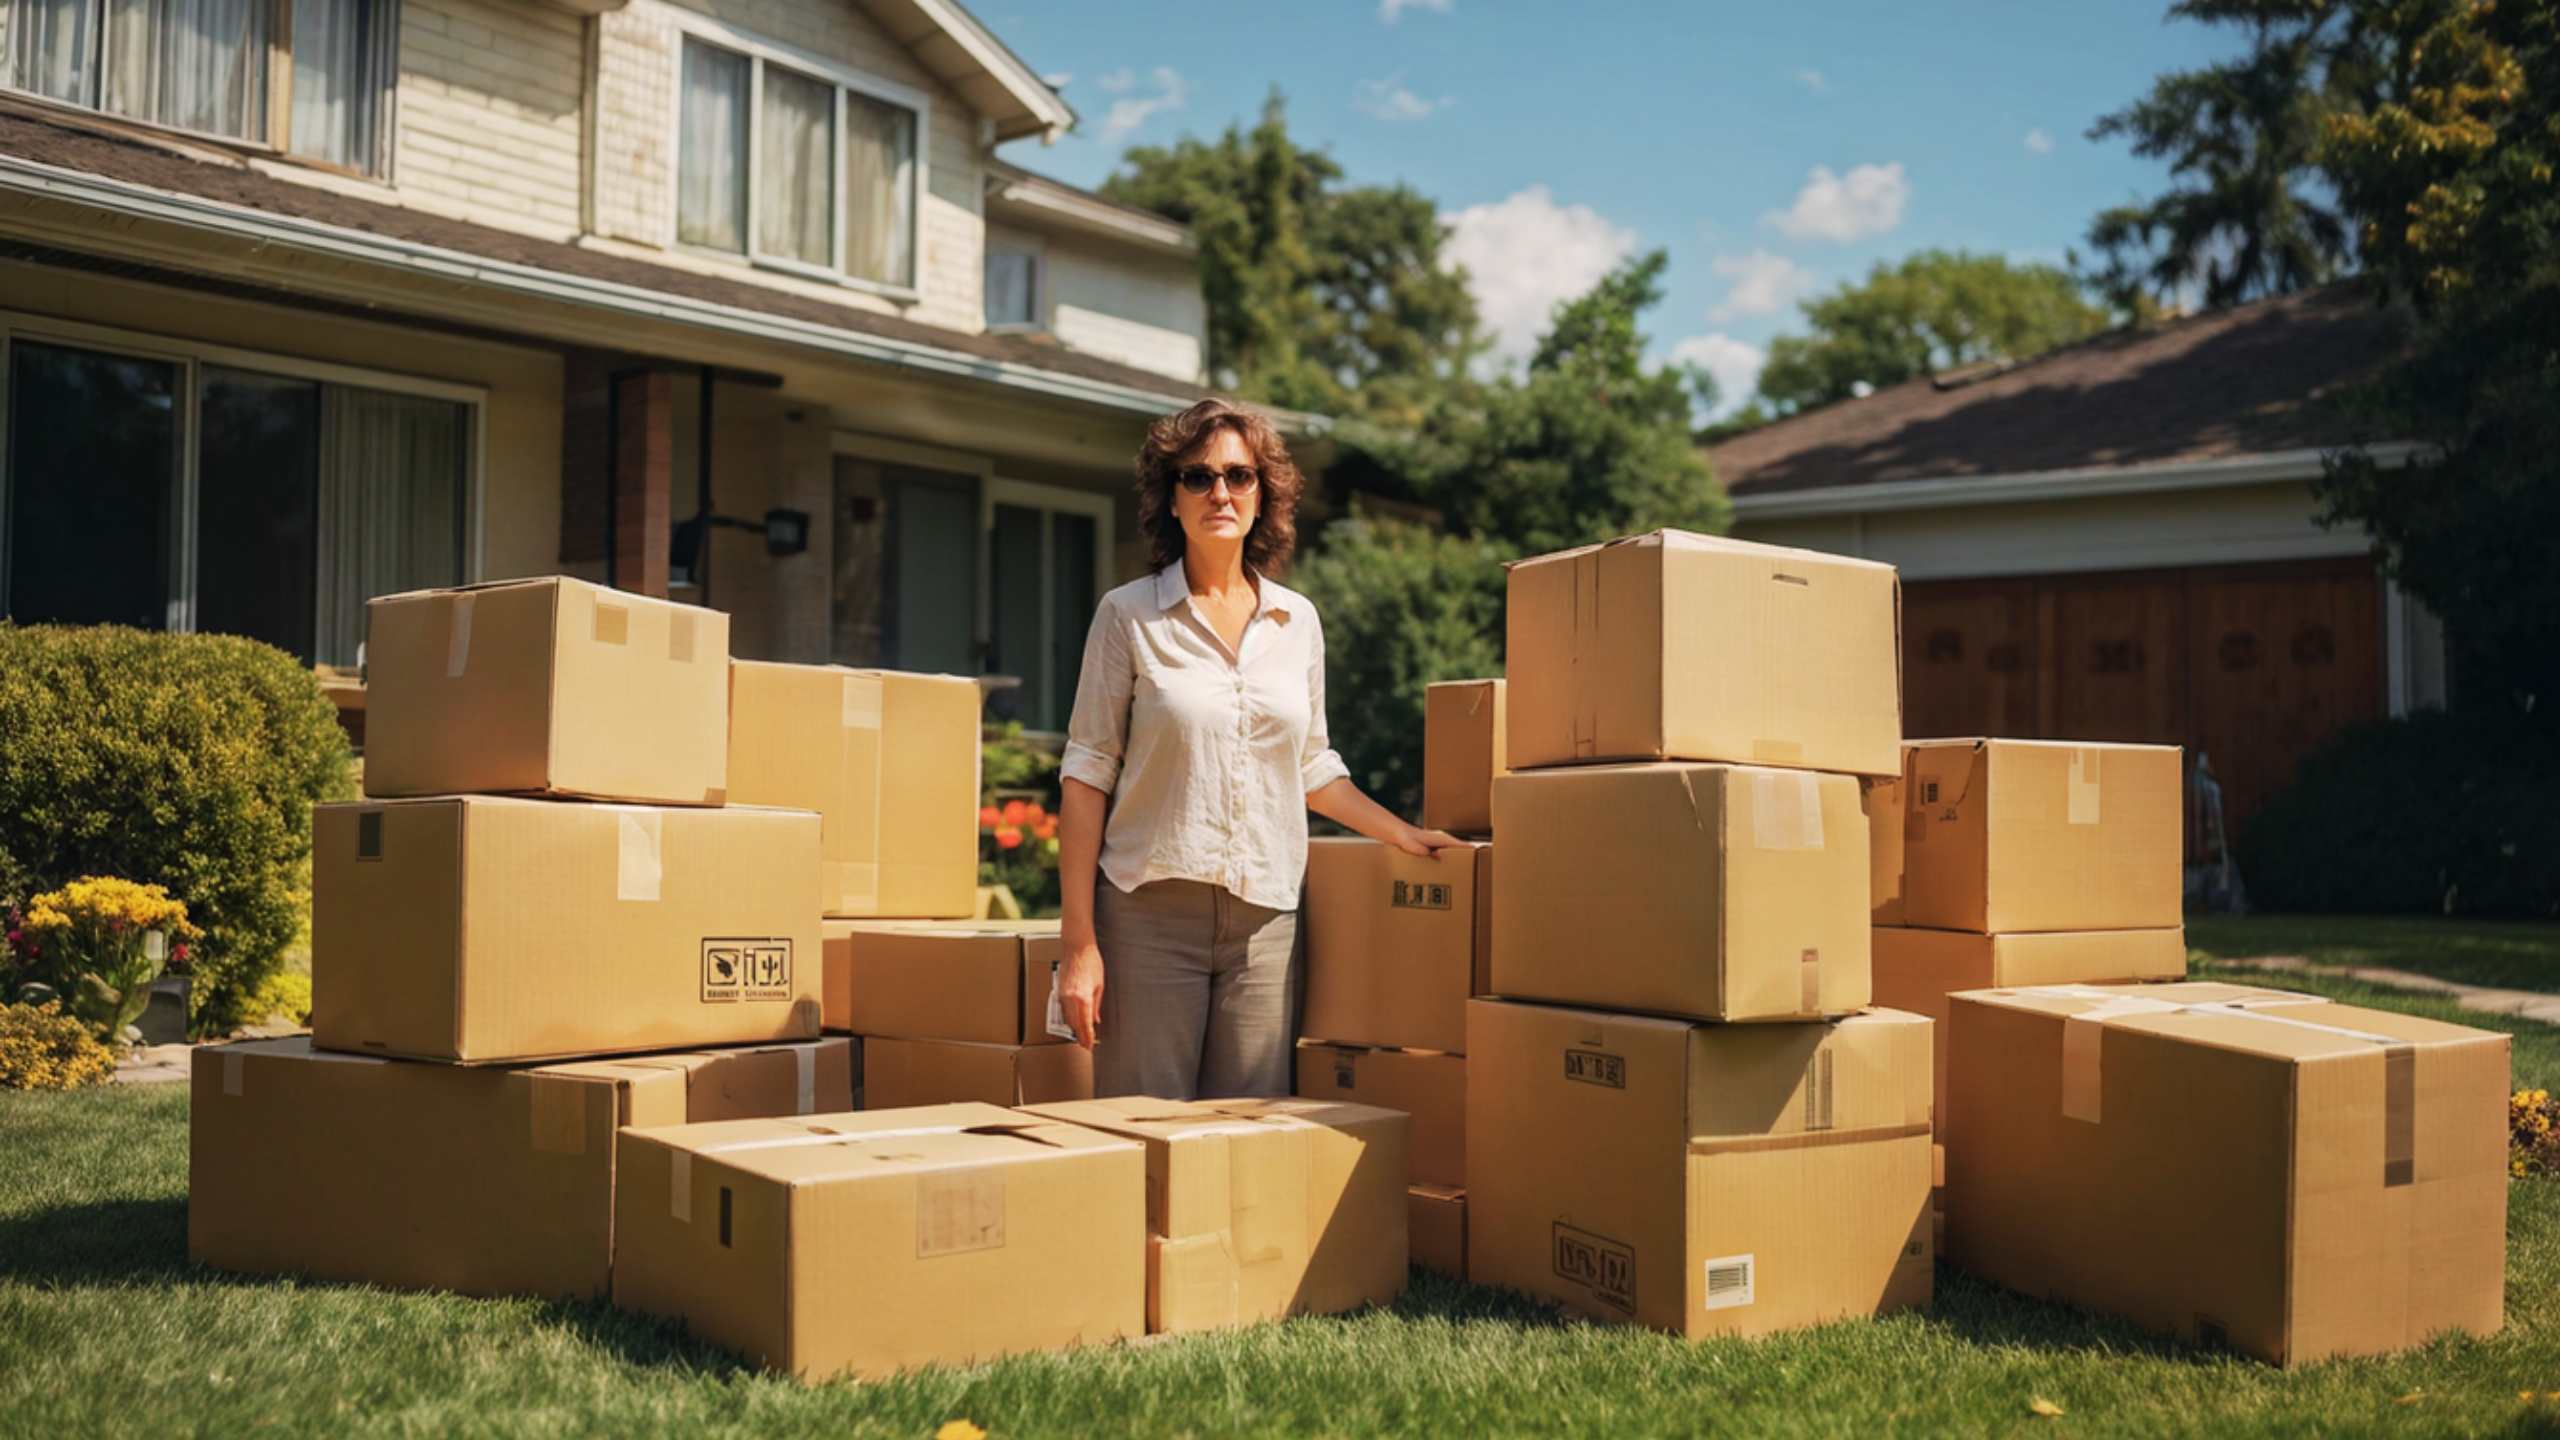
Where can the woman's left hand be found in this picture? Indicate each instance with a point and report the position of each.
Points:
(1414, 840)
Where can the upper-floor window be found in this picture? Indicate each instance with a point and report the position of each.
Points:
(1013, 283)
(315, 85)
(788, 166)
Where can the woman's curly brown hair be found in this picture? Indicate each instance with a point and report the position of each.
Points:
(1268, 546)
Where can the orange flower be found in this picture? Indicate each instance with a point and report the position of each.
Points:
(988, 818)
(1033, 813)
(1015, 812)
(1007, 837)
(1047, 829)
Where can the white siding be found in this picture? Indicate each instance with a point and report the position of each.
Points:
(1134, 306)
(490, 124)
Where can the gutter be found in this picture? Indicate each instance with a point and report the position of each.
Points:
(506, 278)
(2079, 483)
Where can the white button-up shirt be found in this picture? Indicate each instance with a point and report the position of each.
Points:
(1208, 756)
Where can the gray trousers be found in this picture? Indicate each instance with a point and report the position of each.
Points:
(1199, 993)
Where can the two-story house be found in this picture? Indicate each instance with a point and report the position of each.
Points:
(303, 301)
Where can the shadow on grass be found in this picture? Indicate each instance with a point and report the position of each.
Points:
(642, 1340)
(1978, 1312)
(111, 1242)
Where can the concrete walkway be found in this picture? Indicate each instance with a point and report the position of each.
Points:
(2526, 1004)
(165, 1064)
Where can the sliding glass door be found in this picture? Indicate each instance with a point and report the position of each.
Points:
(93, 473)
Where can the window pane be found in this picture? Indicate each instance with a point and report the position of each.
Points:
(711, 164)
(797, 169)
(342, 53)
(196, 64)
(1012, 287)
(257, 478)
(1013, 590)
(52, 46)
(90, 487)
(879, 190)
(394, 481)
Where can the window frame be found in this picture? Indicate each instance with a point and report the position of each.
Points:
(1037, 249)
(693, 27)
(191, 357)
(277, 143)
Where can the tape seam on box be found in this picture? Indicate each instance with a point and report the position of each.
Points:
(864, 705)
(640, 860)
(804, 1059)
(1786, 810)
(457, 645)
(1809, 982)
(2081, 786)
(680, 637)
(231, 1071)
(680, 1185)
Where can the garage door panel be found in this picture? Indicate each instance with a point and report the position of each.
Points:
(2116, 658)
(2279, 663)
(1969, 658)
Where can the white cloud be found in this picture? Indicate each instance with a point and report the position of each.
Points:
(1763, 284)
(1388, 99)
(1813, 81)
(1526, 253)
(1132, 110)
(1735, 364)
(1058, 79)
(1866, 201)
(1118, 81)
(2039, 143)
(1390, 11)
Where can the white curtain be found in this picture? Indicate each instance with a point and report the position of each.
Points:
(196, 64)
(796, 164)
(51, 44)
(341, 68)
(711, 160)
(391, 505)
(1012, 287)
(879, 190)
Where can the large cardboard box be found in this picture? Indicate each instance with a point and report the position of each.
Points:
(835, 981)
(1396, 944)
(1887, 819)
(1916, 970)
(2291, 1177)
(1430, 1087)
(1463, 748)
(479, 928)
(887, 758)
(1260, 1209)
(982, 980)
(898, 1073)
(1714, 891)
(1436, 1222)
(1701, 1179)
(2010, 836)
(869, 1244)
(1673, 646)
(550, 686)
(483, 1180)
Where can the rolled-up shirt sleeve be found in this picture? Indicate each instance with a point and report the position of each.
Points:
(1098, 727)
(1318, 764)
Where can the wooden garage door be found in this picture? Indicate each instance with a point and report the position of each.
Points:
(2250, 664)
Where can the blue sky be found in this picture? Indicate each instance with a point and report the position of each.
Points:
(1773, 149)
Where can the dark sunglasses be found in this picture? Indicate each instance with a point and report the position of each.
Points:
(1200, 479)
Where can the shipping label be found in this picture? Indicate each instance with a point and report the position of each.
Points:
(736, 969)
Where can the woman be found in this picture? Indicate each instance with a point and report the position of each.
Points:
(1195, 751)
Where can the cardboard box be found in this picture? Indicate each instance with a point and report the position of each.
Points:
(2295, 1178)
(550, 686)
(1396, 944)
(869, 1244)
(1260, 1209)
(481, 1180)
(1673, 646)
(899, 1073)
(2010, 836)
(1714, 891)
(1436, 1222)
(1887, 818)
(478, 928)
(889, 759)
(1701, 1179)
(1463, 748)
(835, 982)
(1916, 970)
(982, 980)
(1430, 1087)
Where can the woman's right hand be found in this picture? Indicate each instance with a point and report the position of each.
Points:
(1080, 991)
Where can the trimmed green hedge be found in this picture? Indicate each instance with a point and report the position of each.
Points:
(191, 761)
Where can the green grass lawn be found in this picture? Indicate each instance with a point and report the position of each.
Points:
(2514, 955)
(104, 1328)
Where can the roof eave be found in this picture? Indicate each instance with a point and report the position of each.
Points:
(1038, 110)
(2078, 483)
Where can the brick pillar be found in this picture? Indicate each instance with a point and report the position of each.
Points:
(643, 451)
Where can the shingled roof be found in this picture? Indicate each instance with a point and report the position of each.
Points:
(2250, 380)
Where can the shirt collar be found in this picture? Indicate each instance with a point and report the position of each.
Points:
(1173, 589)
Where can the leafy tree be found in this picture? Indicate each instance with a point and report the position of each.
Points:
(1322, 296)
(1932, 311)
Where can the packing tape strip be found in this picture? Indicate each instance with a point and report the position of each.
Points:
(865, 707)
(559, 1115)
(231, 1071)
(680, 1185)
(2081, 787)
(457, 644)
(1809, 982)
(1817, 1090)
(1586, 632)
(805, 1093)
(640, 860)
(858, 887)
(680, 637)
(1786, 810)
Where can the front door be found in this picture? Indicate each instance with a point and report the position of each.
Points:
(933, 571)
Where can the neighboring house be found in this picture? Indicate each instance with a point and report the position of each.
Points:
(306, 302)
(2118, 541)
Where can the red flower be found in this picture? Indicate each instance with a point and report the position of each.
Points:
(988, 819)
(1015, 812)
(1007, 837)
(180, 951)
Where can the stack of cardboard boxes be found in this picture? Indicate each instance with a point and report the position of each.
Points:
(958, 1011)
(1680, 1111)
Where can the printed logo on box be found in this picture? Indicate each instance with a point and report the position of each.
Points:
(1421, 895)
(1343, 1072)
(745, 969)
(1595, 1067)
(1598, 1264)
